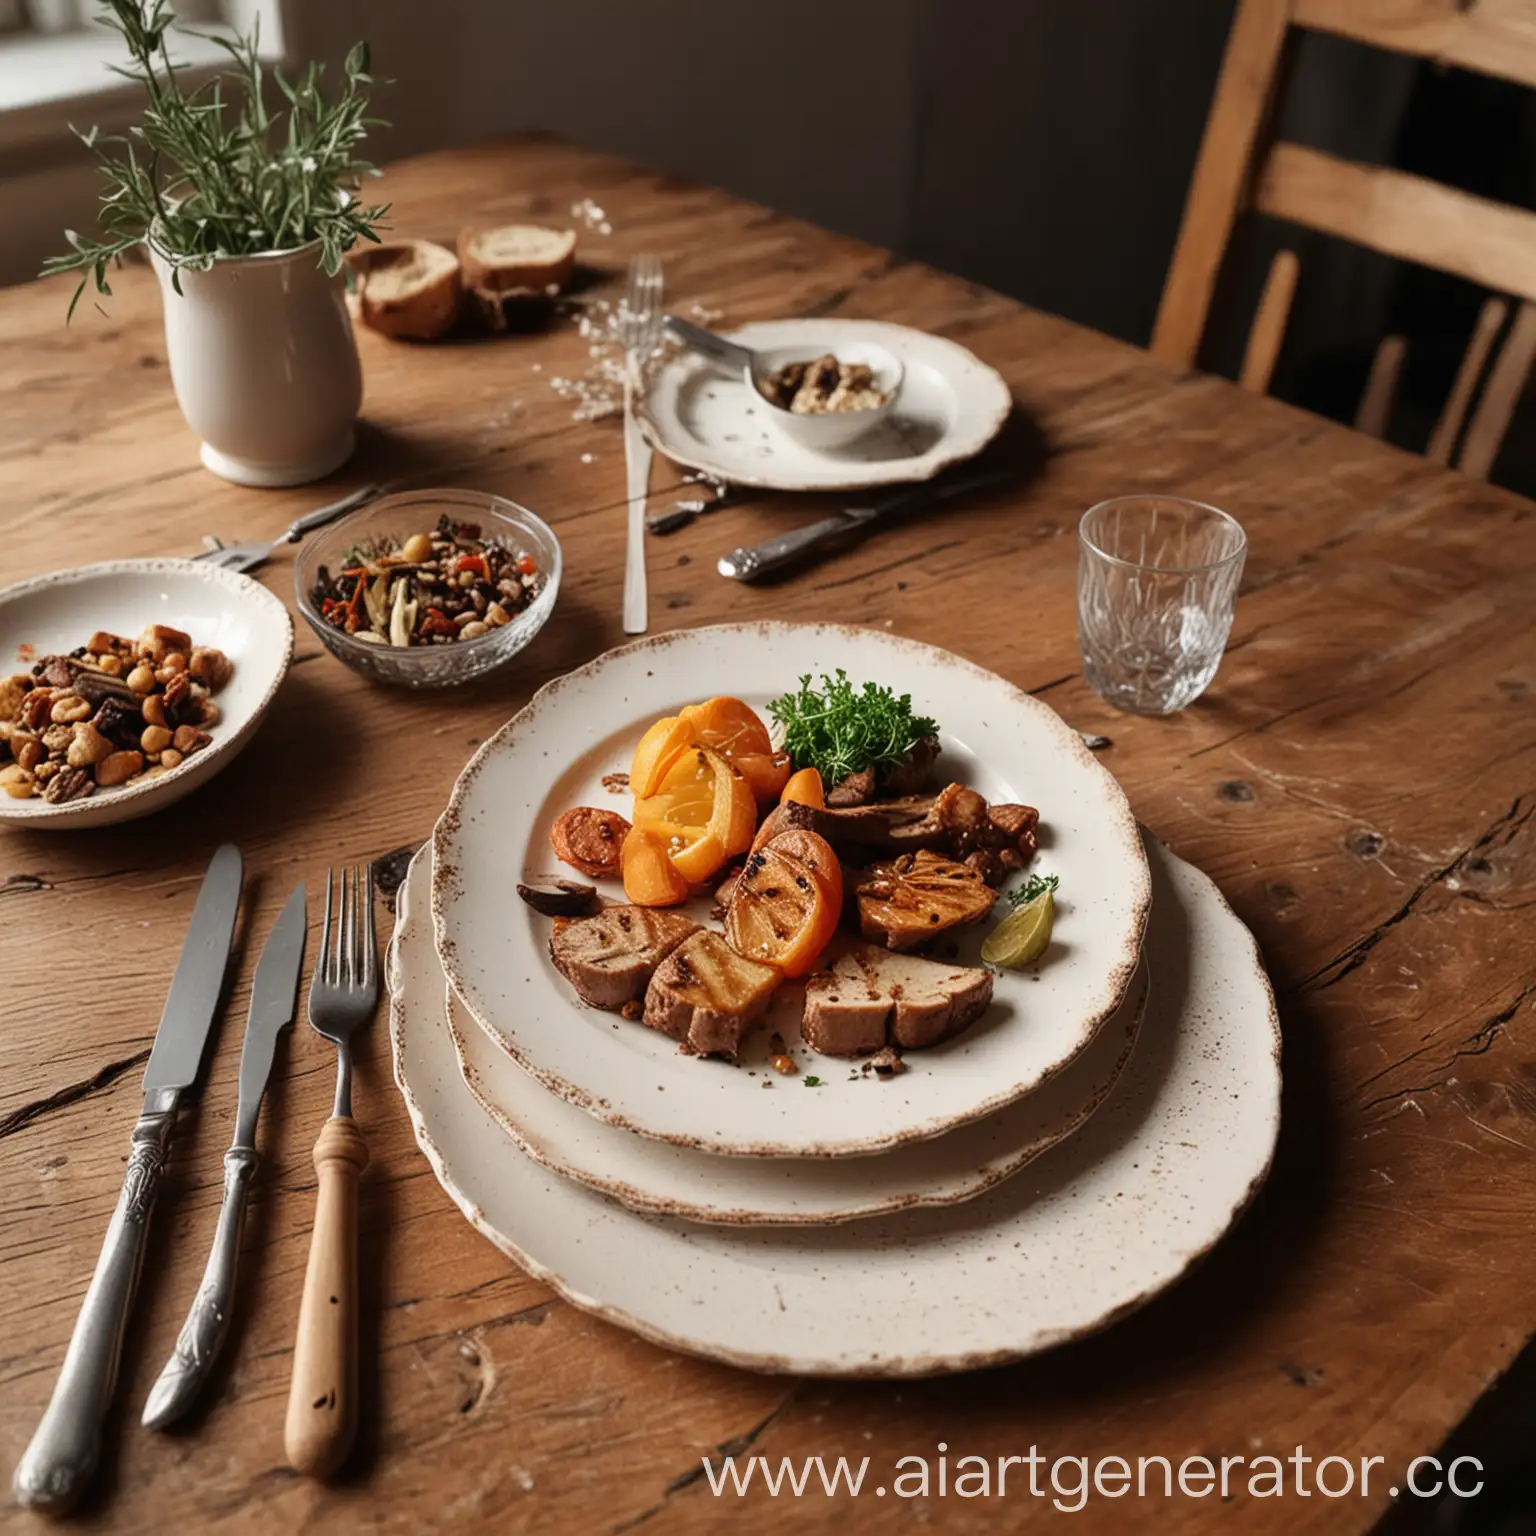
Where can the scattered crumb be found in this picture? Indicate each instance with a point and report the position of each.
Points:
(589, 458)
(885, 1063)
(616, 783)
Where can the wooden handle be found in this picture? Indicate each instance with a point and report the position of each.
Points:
(322, 1400)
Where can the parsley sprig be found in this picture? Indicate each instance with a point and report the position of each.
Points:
(839, 729)
(1036, 885)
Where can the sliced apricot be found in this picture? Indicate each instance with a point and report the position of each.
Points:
(786, 904)
(704, 811)
(766, 772)
(733, 729)
(656, 751)
(729, 727)
(805, 788)
(651, 879)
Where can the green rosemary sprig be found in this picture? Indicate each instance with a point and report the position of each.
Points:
(202, 176)
(1036, 885)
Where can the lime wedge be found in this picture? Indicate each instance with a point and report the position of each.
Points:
(1022, 936)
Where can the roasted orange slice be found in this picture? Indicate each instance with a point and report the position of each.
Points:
(656, 751)
(703, 810)
(786, 904)
(731, 728)
(651, 879)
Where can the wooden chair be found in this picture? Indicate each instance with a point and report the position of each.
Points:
(1243, 167)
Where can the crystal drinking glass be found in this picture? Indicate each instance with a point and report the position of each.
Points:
(1156, 583)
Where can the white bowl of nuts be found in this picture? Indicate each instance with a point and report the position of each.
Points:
(125, 685)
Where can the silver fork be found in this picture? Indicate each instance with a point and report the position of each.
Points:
(640, 331)
(322, 1397)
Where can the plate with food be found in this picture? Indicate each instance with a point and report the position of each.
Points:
(1095, 1227)
(650, 1175)
(125, 685)
(796, 427)
(870, 849)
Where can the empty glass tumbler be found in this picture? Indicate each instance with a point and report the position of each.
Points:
(1156, 583)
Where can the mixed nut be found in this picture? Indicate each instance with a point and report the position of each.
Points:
(822, 386)
(112, 711)
(430, 589)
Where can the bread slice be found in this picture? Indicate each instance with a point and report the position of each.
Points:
(405, 288)
(611, 957)
(707, 996)
(872, 998)
(517, 258)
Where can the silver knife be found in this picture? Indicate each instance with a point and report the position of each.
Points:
(58, 1464)
(274, 995)
(771, 556)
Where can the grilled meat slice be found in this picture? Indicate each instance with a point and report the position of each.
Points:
(707, 996)
(872, 998)
(956, 821)
(911, 900)
(610, 958)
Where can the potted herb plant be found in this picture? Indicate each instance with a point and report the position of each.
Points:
(247, 212)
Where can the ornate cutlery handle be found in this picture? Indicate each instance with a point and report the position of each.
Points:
(202, 1335)
(59, 1462)
(309, 521)
(783, 549)
(322, 1398)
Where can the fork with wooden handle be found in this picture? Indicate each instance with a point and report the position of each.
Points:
(322, 1397)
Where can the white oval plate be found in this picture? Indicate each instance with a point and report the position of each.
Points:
(1094, 1228)
(59, 612)
(950, 407)
(649, 1175)
(1011, 747)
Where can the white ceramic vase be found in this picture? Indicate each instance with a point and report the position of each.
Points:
(264, 364)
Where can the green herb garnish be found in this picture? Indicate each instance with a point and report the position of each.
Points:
(811, 1082)
(1036, 885)
(841, 729)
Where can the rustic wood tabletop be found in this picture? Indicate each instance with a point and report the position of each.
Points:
(1360, 780)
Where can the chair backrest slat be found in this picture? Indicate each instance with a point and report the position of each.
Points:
(1501, 395)
(1492, 37)
(1492, 244)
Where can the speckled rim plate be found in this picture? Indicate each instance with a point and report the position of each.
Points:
(1090, 1231)
(951, 406)
(650, 1175)
(554, 754)
(224, 609)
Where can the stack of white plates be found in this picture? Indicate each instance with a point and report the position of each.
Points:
(1065, 1159)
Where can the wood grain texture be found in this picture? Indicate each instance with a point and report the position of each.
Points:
(1360, 780)
(1400, 215)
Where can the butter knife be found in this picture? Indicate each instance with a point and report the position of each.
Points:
(274, 995)
(773, 555)
(57, 1465)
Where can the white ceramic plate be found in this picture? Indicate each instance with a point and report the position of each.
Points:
(950, 407)
(1095, 1227)
(59, 612)
(553, 755)
(652, 1175)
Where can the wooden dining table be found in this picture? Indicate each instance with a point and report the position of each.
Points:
(1359, 780)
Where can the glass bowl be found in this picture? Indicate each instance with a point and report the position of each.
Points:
(401, 515)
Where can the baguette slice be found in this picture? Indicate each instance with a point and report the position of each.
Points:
(517, 258)
(405, 288)
(872, 998)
